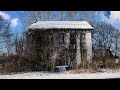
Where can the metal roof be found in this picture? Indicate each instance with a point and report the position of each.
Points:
(61, 25)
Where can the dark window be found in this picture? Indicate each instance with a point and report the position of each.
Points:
(50, 36)
(83, 38)
(83, 35)
(72, 38)
(61, 38)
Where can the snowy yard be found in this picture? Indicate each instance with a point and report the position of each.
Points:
(65, 75)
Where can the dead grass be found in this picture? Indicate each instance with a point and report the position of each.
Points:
(80, 70)
(92, 70)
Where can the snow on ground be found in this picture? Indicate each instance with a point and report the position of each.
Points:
(66, 75)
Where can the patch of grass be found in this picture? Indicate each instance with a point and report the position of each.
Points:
(80, 70)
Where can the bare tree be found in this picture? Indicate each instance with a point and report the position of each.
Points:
(116, 42)
(19, 45)
(7, 39)
(71, 15)
(6, 35)
(30, 17)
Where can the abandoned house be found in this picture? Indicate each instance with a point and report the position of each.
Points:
(59, 43)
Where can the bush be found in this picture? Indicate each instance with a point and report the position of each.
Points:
(16, 64)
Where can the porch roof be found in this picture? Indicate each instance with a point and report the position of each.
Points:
(61, 25)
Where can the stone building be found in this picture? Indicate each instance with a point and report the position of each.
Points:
(61, 42)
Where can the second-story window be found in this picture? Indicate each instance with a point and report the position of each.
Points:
(61, 38)
(50, 36)
(72, 38)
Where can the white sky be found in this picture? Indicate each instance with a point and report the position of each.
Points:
(113, 19)
(4, 15)
(14, 22)
(115, 15)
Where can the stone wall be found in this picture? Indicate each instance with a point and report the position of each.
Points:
(89, 45)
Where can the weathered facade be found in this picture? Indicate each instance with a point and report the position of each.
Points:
(60, 42)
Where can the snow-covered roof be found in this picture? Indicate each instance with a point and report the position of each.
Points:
(61, 25)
